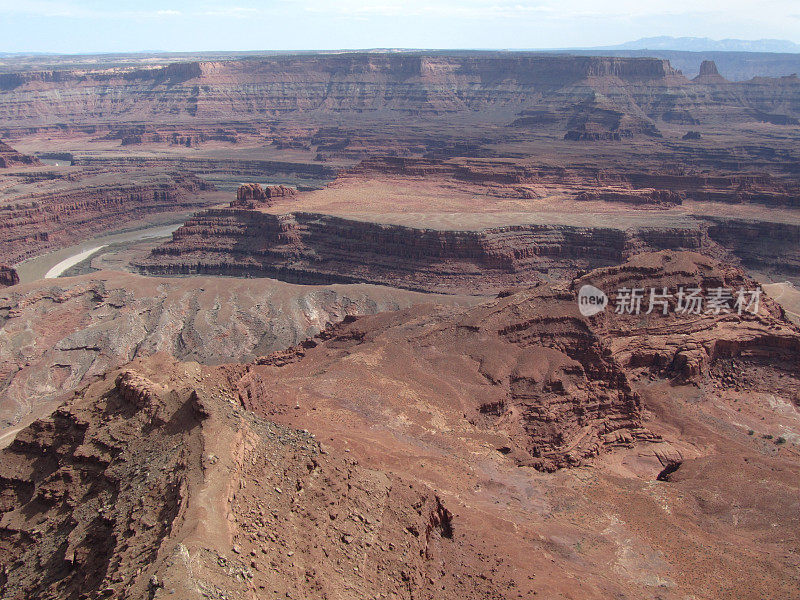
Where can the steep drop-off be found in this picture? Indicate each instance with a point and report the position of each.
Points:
(10, 157)
(318, 248)
(402, 84)
(8, 276)
(593, 97)
(45, 210)
(641, 184)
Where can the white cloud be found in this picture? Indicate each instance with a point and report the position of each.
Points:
(77, 10)
(238, 12)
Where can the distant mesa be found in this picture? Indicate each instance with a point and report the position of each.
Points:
(709, 73)
(588, 97)
(642, 197)
(775, 119)
(591, 122)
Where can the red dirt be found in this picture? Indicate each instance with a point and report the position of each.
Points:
(404, 468)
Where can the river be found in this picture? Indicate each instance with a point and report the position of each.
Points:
(54, 264)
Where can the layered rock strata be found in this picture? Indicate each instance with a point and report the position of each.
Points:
(556, 384)
(252, 195)
(11, 158)
(623, 184)
(8, 276)
(620, 96)
(79, 204)
(684, 345)
(317, 248)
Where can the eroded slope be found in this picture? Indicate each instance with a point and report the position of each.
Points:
(55, 335)
(424, 467)
(150, 484)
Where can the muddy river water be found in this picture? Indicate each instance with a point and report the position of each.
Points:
(54, 264)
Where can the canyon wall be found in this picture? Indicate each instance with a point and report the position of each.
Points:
(305, 247)
(80, 204)
(11, 158)
(243, 167)
(316, 248)
(8, 276)
(273, 86)
(633, 184)
(766, 247)
(620, 95)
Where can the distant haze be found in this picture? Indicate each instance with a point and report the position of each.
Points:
(87, 26)
(693, 44)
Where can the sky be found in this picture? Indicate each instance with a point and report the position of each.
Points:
(82, 26)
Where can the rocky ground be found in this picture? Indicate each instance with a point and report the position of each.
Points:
(405, 455)
(56, 335)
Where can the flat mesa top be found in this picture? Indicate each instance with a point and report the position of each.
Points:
(452, 205)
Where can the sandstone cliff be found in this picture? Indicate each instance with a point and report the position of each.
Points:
(639, 90)
(709, 74)
(10, 157)
(8, 276)
(252, 195)
(318, 248)
(634, 184)
(75, 205)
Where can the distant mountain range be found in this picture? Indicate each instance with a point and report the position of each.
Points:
(695, 44)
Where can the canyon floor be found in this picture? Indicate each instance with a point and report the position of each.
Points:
(308, 327)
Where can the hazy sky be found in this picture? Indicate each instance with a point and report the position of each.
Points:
(182, 25)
